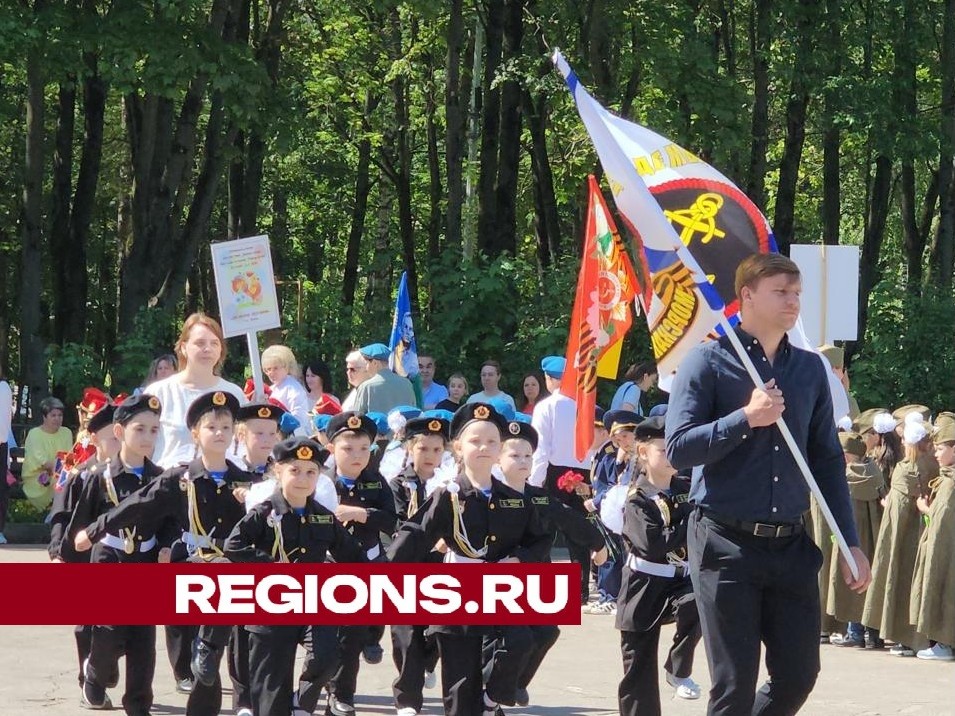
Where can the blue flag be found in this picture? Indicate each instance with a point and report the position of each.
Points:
(404, 348)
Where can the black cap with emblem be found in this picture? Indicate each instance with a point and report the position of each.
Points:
(351, 422)
(217, 401)
(101, 418)
(476, 412)
(134, 405)
(300, 449)
(517, 430)
(427, 426)
(260, 411)
(651, 428)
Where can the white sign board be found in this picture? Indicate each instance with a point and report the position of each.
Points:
(830, 291)
(245, 284)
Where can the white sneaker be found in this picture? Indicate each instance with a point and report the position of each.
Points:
(686, 688)
(902, 650)
(244, 711)
(939, 652)
(407, 711)
(430, 679)
(602, 608)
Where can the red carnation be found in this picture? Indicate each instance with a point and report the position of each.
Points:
(569, 481)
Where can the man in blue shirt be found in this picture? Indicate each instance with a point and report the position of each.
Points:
(753, 567)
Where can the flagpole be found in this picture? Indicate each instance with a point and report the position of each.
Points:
(794, 449)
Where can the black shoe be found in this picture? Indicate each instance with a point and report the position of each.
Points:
(93, 695)
(113, 679)
(521, 697)
(339, 708)
(184, 686)
(373, 654)
(205, 663)
(873, 643)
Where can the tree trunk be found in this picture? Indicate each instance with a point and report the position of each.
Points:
(435, 190)
(906, 109)
(796, 109)
(943, 246)
(831, 170)
(488, 211)
(760, 24)
(472, 169)
(359, 210)
(546, 217)
(32, 360)
(454, 125)
(62, 181)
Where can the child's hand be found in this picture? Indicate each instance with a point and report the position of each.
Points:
(56, 560)
(82, 542)
(239, 493)
(882, 501)
(348, 513)
(600, 556)
(923, 504)
(589, 506)
(440, 546)
(165, 555)
(583, 489)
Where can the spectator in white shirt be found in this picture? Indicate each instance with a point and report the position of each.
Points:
(490, 379)
(281, 368)
(356, 373)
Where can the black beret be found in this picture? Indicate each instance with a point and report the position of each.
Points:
(427, 426)
(101, 418)
(476, 412)
(599, 416)
(300, 449)
(615, 420)
(217, 400)
(351, 422)
(261, 411)
(651, 428)
(517, 430)
(134, 405)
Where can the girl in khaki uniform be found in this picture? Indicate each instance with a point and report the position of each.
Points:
(933, 587)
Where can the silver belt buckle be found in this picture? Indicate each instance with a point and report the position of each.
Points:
(766, 530)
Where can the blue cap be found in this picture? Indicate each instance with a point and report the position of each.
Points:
(439, 414)
(554, 366)
(658, 410)
(521, 418)
(288, 423)
(320, 422)
(406, 411)
(376, 351)
(381, 422)
(503, 408)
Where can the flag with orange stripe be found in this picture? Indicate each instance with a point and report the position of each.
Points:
(606, 287)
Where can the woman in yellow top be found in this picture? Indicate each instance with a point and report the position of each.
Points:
(39, 453)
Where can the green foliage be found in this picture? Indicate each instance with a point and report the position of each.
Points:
(73, 367)
(24, 512)
(154, 334)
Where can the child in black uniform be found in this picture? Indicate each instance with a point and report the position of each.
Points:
(201, 499)
(136, 426)
(656, 587)
(480, 519)
(414, 654)
(367, 509)
(291, 527)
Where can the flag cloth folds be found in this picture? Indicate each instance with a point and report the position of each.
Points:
(404, 347)
(601, 316)
(692, 227)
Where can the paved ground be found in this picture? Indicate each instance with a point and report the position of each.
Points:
(38, 676)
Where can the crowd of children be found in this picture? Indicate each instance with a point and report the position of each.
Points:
(432, 486)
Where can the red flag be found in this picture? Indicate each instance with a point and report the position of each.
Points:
(606, 287)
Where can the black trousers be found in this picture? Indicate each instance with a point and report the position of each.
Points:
(179, 640)
(544, 636)
(413, 653)
(639, 690)
(83, 634)
(751, 591)
(138, 645)
(351, 640)
(239, 668)
(579, 553)
(4, 487)
(272, 666)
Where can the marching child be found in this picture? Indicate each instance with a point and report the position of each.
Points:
(933, 591)
(866, 488)
(415, 655)
(367, 509)
(98, 444)
(292, 527)
(656, 588)
(480, 519)
(202, 501)
(135, 426)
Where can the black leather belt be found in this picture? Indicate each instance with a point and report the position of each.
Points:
(772, 530)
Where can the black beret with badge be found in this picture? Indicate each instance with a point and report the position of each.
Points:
(616, 420)
(261, 411)
(351, 422)
(206, 403)
(300, 449)
(651, 429)
(476, 412)
(427, 426)
(101, 418)
(519, 430)
(134, 405)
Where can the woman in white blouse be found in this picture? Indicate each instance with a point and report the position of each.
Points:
(281, 368)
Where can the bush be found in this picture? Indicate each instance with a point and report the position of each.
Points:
(24, 512)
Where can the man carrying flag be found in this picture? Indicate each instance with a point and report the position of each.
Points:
(752, 565)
